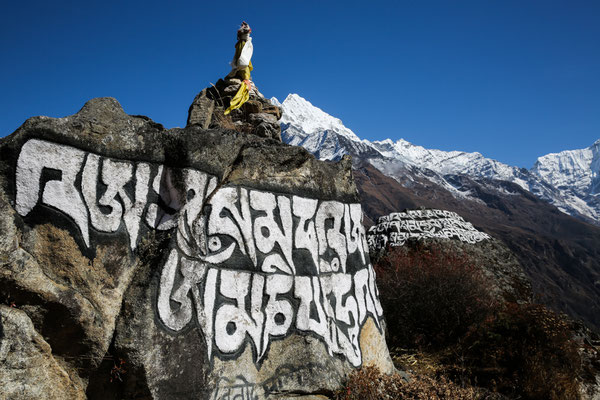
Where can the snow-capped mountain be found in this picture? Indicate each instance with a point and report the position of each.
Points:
(569, 180)
(575, 174)
(575, 169)
(300, 113)
(303, 124)
(450, 162)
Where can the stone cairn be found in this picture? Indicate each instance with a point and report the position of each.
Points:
(257, 116)
(396, 228)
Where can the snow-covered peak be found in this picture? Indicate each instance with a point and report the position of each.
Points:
(309, 119)
(570, 179)
(386, 142)
(449, 162)
(577, 170)
(309, 126)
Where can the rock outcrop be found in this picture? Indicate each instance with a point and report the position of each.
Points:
(207, 262)
(450, 230)
(28, 368)
(257, 116)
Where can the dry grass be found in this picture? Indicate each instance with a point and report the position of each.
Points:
(417, 362)
(368, 383)
(222, 120)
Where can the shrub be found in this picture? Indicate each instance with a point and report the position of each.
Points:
(526, 351)
(431, 294)
(368, 383)
(437, 299)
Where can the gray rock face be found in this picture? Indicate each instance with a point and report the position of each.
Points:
(189, 263)
(29, 369)
(201, 110)
(500, 265)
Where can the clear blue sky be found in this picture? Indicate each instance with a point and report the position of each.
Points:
(511, 79)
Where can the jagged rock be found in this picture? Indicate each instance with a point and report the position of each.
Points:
(272, 109)
(28, 369)
(256, 116)
(253, 107)
(201, 110)
(188, 263)
(265, 130)
(259, 118)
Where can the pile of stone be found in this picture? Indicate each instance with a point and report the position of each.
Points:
(257, 116)
(395, 229)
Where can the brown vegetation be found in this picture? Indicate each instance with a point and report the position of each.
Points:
(438, 303)
(431, 294)
(368, 383)
(559, 254)
(523, 350)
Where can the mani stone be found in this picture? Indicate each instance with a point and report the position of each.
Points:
(195, 263)
(449, 231)
(396, 228)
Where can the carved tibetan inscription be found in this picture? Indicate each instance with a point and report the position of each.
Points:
(395, 229)
(247, 266)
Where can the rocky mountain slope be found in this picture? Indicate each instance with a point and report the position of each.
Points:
(569, 180)
(560, 254)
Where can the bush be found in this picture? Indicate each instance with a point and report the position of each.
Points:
(368, 383)
(437, 299)
(525, 351)
(431, 294)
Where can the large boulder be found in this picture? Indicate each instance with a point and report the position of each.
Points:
(396, 228)
(449, 230)
(139, 262)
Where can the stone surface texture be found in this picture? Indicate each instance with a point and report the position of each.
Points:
(29, 369)
(206, 262)
(257, 116)
(396, 228)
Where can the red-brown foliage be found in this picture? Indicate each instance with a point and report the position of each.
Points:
(437, 298)
(431, 294)
(524, 350)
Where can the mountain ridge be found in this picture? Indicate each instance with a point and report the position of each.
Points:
(569, 180)
(559, 253)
